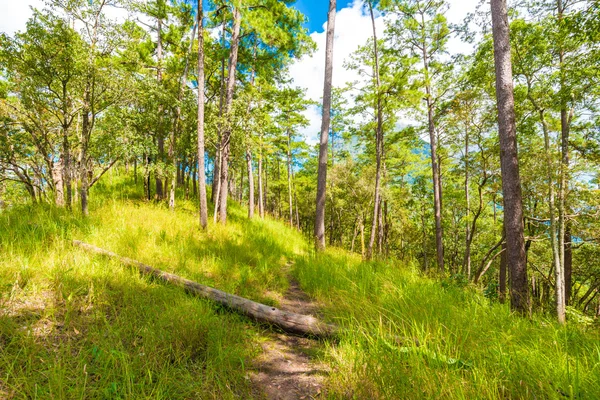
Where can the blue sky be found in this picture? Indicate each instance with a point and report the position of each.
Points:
(316, 11)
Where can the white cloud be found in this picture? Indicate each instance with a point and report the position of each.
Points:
(352, 29)
(14, 14)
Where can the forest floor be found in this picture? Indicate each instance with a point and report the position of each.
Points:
(288, 369)
(74, 325)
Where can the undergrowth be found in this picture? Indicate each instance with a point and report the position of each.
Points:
(75, 325)
(409, 336)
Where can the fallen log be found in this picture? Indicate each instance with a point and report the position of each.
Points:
(288, 321)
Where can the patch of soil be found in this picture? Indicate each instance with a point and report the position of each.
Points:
(287, 370)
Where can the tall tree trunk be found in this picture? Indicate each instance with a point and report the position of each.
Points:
(225, 141)
(248, 139)
(200, 129)
(322, 169)
(554, 239)
(566, 254)
(266, 188)
(435, 168)
(250, 184)
(214, 196)
(175, 130)
(362, 236)
(378, 139)
(261, 198)
(289, 176)
(160, 139)
(147, 177)
(296, 201)
(509, 162)
(467, 261)
(83, 171)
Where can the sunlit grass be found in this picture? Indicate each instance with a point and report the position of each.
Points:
(409, 336)
(75, 325)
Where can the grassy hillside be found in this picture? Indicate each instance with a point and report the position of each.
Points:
(74, 325)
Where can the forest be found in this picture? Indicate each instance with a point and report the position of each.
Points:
(438, 237)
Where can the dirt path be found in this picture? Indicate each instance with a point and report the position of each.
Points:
(287, 369)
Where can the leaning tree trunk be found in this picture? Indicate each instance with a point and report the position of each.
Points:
(509, 162)
(225, 141)
(323, 153)
(200, 128)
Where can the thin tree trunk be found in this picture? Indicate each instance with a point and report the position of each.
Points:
(225, 141)
(437, 198)
(217, 168)
(468, 237)
(200, 128)
(509, 162)
(57, 178)
(378, 140)
(289, 176)
(175, 131)
(250, 184)
(502, 275)
(556, 257)
(322, 168)
(362, 236)
(261, 198)
(568, 264)
(160, 139)
(564, 231)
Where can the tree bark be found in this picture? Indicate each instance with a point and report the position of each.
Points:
(509, 162)
(225, 140)
(200, 129)
(435, 169)
(323, 153)
(160, 139)
(289, 176)
(261, 197)
(57, 178)
(378, 142)
(289, 321)
(175, 131)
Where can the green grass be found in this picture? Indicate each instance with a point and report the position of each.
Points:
(468, 347)
(75, 326)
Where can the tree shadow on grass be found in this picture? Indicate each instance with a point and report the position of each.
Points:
(115, 335)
